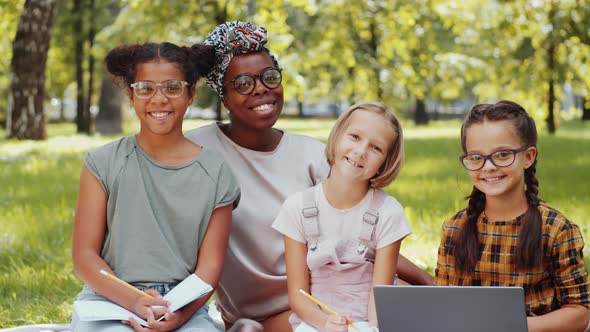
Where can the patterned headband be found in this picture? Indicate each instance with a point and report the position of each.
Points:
(231, 39)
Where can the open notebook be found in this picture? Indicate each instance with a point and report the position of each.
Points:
(450, 308)
(184, 293)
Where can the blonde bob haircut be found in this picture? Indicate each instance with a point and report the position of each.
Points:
(395, 152)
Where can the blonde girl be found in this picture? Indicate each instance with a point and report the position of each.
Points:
(343, 236)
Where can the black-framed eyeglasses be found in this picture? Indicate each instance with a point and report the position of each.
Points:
(147, 89)
(500, 158)
(244, 84)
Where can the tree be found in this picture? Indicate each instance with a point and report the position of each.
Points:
(82, 112)
(109, 119)
(536, 47)
(586, 110)
(25, 116)
(9, 16)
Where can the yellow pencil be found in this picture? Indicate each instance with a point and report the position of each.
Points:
(105, 273)
(324, 306)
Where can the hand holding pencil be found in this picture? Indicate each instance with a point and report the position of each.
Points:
(158, 310)
(325, 307)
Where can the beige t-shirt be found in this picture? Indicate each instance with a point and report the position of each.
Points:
(254, 282)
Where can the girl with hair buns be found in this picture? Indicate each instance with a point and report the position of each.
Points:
(507, 236)
(270, 164)
(153, 208)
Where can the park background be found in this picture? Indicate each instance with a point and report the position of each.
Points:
(430, 60)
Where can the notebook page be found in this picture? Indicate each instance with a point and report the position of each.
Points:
(187, 291)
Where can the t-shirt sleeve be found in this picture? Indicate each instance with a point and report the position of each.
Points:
(228, 190)
(569, 270)
(393, 224)
(289, 220)
(98, 166)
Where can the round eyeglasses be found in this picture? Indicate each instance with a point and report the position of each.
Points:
(245, 83)
(147, 89)
(500, 158)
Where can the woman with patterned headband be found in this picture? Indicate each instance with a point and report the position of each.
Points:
(270, 165)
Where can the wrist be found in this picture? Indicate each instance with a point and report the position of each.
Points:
(427, 279)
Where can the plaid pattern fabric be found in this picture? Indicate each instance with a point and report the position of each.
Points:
(562, 279)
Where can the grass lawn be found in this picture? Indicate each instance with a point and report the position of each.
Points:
(38, 188)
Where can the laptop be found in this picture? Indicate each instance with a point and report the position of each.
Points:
(450, 308)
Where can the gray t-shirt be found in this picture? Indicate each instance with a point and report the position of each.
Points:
(254, 281)
(157, 214)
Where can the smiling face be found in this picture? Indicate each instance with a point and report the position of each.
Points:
(259, 109)
(362, 147)
(503, 183)
(159, 114)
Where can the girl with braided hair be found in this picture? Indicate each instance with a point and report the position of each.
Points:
(507, 236)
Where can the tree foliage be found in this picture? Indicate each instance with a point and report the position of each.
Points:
(406, 53)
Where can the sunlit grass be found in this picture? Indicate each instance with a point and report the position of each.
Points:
(39, 184)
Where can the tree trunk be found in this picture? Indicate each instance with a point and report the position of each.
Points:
(62, 108)
(585, 108)
(91, 34)
(352, 96)
(26, 94)
(551, 66)
(109, 119)
(300, 109)
(374, 42)
(551, 93)
(420, 115)
(82, 114)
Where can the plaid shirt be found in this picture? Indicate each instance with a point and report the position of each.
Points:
(562, 278)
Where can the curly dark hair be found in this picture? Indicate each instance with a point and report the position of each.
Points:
(196, 61)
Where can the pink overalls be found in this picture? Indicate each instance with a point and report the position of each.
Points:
(341, 271)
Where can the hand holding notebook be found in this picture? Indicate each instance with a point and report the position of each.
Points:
(184, 293)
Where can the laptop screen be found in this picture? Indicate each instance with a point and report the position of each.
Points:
(450, 308)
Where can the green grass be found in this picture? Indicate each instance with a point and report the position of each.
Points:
(38, 188)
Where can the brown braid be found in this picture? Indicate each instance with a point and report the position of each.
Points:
(467, 245)
(529, 250)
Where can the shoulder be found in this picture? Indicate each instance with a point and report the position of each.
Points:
(389, 202)
(553, 220)
(295, 200)
(204, 134)
(391, 207)
(113, 150)
(303, 143)
(213, 163)
(456, 220)
(303, 198)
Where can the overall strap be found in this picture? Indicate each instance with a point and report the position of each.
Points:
(371, 217)
(311, 226)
